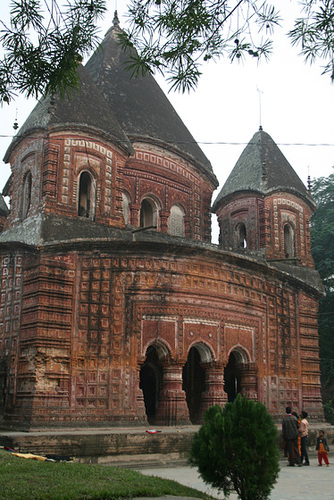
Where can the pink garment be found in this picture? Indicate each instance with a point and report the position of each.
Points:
(303, 429)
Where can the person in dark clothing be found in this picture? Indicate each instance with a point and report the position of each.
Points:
(290, 434)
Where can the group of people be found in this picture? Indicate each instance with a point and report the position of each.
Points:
(294, 428)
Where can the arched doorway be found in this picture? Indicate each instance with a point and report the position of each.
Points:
(151, 382)
(239, 375)
(194, 384)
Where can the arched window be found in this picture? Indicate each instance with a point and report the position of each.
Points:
(241, 236)
(289, 243)
(126, 208)
(85, 195)
(148, 213)
(176, 221)
(26, 198)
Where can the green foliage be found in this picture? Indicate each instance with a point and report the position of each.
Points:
(329, 411)
(236, 449)
(314, 32)
(322, 244)
(322, 229)
(42, 47)
(176, 36)
(26, 479)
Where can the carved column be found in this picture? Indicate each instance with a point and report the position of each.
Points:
(214, 393)
(248, 380)
(187, 227)
(134, 215)
(163, 216)
(139, 398)
(172, 409)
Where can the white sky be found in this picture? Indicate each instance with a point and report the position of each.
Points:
(297, 106)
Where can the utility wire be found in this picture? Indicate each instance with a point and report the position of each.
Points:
(215, 143)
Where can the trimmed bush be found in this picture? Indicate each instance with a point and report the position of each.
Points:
(236, 449)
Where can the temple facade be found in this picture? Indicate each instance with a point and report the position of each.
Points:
(116, 308)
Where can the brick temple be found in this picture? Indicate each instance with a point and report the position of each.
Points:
(116, 308)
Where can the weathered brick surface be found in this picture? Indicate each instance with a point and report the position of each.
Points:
(87, 319)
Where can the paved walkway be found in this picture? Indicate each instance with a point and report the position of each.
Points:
(294, 483)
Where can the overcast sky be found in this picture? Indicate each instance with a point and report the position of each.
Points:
(223, 113)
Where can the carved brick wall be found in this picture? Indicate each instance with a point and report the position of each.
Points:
(287, 208)
(85, 321)
(247, 210)
(55, 165)
(28, 158)
(170, 180)
(264, 219)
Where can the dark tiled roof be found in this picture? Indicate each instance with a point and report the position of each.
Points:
(140, 105)
(84, 108)
(262, 168)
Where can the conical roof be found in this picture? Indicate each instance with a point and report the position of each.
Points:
(263, 168)
(139, 104)
(84, 108)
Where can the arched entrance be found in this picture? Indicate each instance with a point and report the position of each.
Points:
(194, 381)
(240, 376)
(151, 382)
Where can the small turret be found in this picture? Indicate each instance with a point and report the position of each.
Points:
(263, 206)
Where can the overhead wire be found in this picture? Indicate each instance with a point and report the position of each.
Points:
(215, 143)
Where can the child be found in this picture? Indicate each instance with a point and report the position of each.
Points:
(322, 448)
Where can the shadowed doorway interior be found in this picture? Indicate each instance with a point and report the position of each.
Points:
(194, 385)
(150, 382)
(232, 378)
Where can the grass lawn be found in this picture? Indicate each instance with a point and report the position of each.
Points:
(28, 479)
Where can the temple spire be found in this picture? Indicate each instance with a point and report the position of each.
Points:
(116, 20)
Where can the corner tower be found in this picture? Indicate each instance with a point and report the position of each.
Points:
(264, 207)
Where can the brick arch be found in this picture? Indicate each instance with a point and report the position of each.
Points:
(241, 353)
(152, 197)
(162, 349)
(204, 350)
(147, 218)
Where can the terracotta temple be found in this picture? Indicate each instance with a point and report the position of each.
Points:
(116, 308)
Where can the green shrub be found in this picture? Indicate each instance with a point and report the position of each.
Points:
(236, 449)
(329, 411)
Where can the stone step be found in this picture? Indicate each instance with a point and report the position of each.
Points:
(131, 447)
